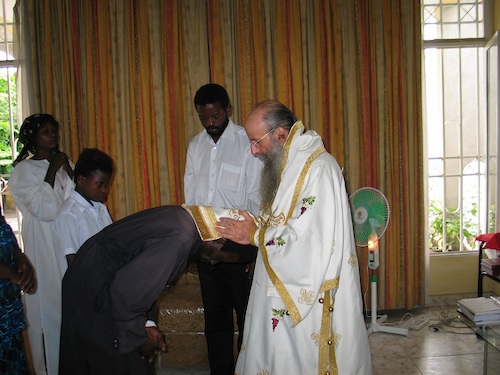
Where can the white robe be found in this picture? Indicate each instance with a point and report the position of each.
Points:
(306, 264)
(39, 203)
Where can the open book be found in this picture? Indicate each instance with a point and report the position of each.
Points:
(205, 218)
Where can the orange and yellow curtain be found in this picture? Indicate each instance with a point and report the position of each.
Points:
(120, 75)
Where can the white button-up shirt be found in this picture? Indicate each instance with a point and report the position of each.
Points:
(223, 174)
(77, 221)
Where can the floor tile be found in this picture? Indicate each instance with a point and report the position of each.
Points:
(466, 364)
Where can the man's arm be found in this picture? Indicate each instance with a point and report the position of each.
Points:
(136, 287)
(155, 338)
(68, 230)
(154, 344)
(161, 256)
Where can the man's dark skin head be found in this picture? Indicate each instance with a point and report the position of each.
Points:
(214, 109)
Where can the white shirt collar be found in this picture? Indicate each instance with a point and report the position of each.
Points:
(227, 134)
(82, 203)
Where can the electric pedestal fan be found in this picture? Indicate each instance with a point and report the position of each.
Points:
(370, 214)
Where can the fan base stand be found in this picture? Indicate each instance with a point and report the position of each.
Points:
(377, 327)
(376, 324)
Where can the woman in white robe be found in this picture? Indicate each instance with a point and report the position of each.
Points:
(39, 184)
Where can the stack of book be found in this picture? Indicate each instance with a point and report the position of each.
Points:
(481, 310)
(491, 266)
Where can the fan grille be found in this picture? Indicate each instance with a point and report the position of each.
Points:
(370, 214)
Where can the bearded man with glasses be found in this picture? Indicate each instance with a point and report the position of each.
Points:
(305, 312)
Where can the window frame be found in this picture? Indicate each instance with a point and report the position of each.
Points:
(459, 44)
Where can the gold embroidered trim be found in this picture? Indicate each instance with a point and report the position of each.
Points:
(286, 147)
(302, 177)
(327, 362)
(271, 220)
(205, 219)
(252, 235)
(353, 259)
(283, 292)
(329, 285)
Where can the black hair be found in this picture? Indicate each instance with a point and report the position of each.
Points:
(91, 160)
(211, 93)
(28, 132)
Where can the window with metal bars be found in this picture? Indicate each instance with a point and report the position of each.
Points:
(455, 34)
(8, 105)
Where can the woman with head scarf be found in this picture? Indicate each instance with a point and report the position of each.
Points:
(41, 180)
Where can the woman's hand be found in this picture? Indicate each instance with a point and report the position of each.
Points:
(60, 159)
(57, 160)
(26, 274)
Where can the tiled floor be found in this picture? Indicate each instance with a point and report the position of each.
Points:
(446, 346)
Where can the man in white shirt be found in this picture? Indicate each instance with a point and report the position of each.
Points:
(220, 171)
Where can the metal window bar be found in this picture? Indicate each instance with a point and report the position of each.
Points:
(438, 15)
(8, 66)
(444, 15)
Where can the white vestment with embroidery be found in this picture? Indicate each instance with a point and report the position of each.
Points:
(307, 258)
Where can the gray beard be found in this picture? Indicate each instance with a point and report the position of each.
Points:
(270, 176)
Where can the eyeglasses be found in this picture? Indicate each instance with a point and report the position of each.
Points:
(256, 143)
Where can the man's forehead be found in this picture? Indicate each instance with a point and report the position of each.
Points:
(255, 121)
(209, 107)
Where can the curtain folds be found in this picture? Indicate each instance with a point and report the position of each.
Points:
(120, 75)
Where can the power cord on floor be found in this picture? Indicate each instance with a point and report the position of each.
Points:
(411, 323)
(402, 323)
(447, 321)
(442, 324)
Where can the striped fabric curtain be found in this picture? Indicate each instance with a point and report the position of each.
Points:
(120, 75)
(383, 134)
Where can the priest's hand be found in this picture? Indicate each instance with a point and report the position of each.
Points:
(236, 230)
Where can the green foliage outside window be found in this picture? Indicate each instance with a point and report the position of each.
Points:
(492, 225)
(453, 226)
(5, 145)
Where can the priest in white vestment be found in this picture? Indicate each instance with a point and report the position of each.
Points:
(304, 314)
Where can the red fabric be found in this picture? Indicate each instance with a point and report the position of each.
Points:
(492, 240)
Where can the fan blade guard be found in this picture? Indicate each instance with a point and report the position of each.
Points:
(370, 213)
